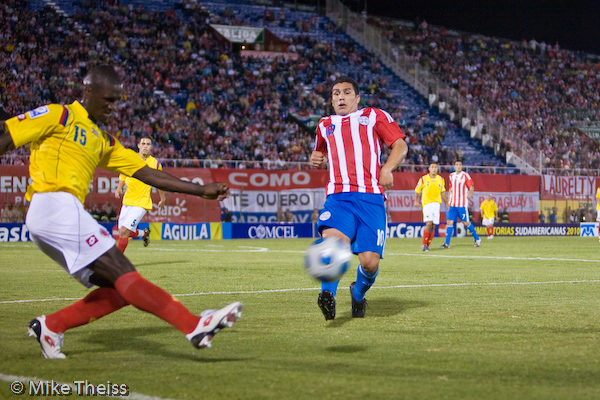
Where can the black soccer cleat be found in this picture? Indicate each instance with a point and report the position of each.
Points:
(326, 303)
(358, 307)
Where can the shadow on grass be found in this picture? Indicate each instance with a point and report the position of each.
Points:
(346, 349)
(139, 340)
(379, 308)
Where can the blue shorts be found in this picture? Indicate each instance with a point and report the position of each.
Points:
(360, 216)
(455, 213)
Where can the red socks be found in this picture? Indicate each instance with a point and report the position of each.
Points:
(122, 244)
(148, 297)
(428, 237)
(96, 304)
(490, 230)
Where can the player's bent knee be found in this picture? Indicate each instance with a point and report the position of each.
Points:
(111, 265)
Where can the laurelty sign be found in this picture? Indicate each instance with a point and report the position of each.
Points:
(241, 34)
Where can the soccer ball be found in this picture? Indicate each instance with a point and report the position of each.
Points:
(327, 259)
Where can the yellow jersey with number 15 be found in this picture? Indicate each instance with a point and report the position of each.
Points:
(138, 193)
(66, 148)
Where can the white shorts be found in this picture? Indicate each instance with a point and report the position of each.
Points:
(598, 215)
(487, 221)
(59, 225)
(130, 217)
(431, 212)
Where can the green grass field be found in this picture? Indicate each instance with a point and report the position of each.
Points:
(518, 318)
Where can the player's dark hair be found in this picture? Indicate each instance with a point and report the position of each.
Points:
(102, 74)
(346, 79)
(457, 160)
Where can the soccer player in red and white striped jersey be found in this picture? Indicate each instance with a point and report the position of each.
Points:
(461, 190)
(351, 141)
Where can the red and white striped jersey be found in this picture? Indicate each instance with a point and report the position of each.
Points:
(459, 187)
(352, 144)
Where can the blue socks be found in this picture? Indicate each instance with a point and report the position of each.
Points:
(364, 281)
(449, 231)
(331, 286)
(471, 229)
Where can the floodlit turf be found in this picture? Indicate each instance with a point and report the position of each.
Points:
(517, 318)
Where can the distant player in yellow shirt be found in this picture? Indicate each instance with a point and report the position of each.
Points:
(66, 147)
(137, 200)
(431, 189)
(598, 204)
(489, 213)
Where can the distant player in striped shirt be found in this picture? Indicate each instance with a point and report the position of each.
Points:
(354, 211)
(137, 200)
(489, 213)
(431, 188)
(461, 190)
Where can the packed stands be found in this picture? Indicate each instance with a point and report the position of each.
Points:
(205, 103)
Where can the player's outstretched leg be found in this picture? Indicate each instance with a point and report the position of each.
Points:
(211, 322)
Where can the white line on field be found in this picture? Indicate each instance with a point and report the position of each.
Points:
(29, 380)
(311, 289)
(265, 249)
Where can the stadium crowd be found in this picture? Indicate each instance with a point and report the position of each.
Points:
(538, 91)
(203, 102)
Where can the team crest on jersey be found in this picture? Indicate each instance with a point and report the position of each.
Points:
(330, 129)
(325, 216)
(363, 120)
(38, 112)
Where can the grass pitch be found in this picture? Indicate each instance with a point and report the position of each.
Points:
(517, 318)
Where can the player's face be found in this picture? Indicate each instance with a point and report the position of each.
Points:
(145, 145)
(343, 98)
(458, 166)
(433, 169)
(100, 100)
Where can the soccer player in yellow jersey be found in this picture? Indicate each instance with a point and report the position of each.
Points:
(137, 200)
(67, 144)
(431, 189)
(598, 204)
(489, 213)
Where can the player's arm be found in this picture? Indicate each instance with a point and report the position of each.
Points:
(6, 142)
(445, 198)
(164, 181)
(119, 190)
(471, 191)
(398, 153)
(163, 199)
(418, 190)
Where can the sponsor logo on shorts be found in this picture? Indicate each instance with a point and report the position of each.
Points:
(92, 240)
(325, 216)
(363, 120)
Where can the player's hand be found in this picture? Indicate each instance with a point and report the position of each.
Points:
(118, 193)
(386, 179)
(162, 204)
(416, 203)
(317, 159)
(216, 191)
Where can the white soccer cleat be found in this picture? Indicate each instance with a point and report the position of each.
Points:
(490, 237)
(49, 341)
(211, 322)
(477, 243)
